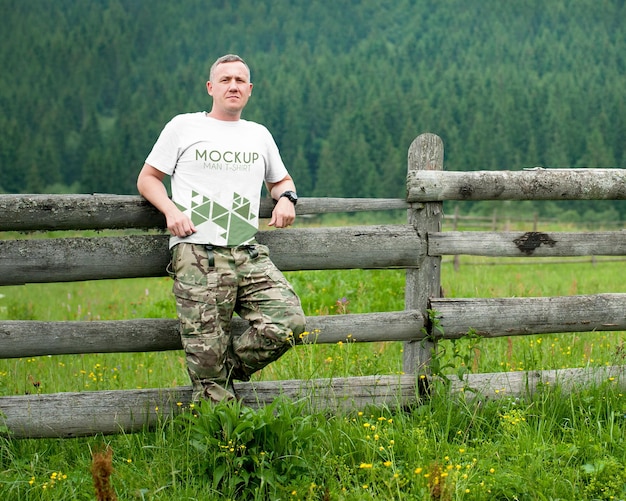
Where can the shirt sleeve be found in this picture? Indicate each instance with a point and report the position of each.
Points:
(164, 154)
(276, 170)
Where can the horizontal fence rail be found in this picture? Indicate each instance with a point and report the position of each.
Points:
(102, 212)
(77, 212)
(132, 256)
(531, 243)
(28, 338)
(533, 184)
(485, 317)
(72, 414)
(76, 414)
(517, 316)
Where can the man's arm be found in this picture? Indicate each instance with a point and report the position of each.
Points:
(151, 187)
(284, 213)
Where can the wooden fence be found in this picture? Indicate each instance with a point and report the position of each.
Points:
(417, 246)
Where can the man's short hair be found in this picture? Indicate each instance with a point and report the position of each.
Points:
(228, 58)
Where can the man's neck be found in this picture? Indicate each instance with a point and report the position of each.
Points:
(224, 117)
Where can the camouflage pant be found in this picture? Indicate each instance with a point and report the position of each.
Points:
(210, 283)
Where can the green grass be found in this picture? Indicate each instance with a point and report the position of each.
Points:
(550, 446)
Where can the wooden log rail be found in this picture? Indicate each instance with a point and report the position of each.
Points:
(519, 316)
(141, 251)
(27, 338)
(529, 184)
(131, 256)
(105, 212)
(486, 317)
(531, 243)
(116, 411)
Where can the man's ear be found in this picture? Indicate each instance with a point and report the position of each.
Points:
(209, 88)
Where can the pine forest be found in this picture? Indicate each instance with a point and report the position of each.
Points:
(344, 86)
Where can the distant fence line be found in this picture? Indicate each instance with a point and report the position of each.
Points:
(506, 222)
(417, 247)
(589, 260)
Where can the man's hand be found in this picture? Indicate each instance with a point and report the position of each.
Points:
(284, 213)
(178, 224)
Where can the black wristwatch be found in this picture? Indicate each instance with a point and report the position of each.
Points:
(291, 195)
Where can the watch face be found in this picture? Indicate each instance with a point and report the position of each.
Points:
(291, 195)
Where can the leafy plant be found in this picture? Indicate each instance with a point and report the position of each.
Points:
(252, 452)
(605, 479)
(458, 355)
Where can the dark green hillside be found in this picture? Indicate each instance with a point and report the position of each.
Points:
(343, 85)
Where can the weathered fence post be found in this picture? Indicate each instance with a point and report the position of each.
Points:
(457, 259)
(424, 282)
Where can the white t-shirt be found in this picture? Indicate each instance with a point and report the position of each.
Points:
(217, 170)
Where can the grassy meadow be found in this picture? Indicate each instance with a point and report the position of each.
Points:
(548, 447)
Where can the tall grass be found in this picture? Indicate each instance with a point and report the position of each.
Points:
(550, 446)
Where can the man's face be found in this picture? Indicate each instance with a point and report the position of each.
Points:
(230, 88)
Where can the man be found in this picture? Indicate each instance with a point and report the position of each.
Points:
(218, 163)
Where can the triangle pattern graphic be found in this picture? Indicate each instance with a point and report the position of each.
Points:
(243, 211)
(222, 221)
(237, 224)
(197, 218)
(238, 200)
(240, 231)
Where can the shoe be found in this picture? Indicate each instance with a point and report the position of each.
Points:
(212, 391)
